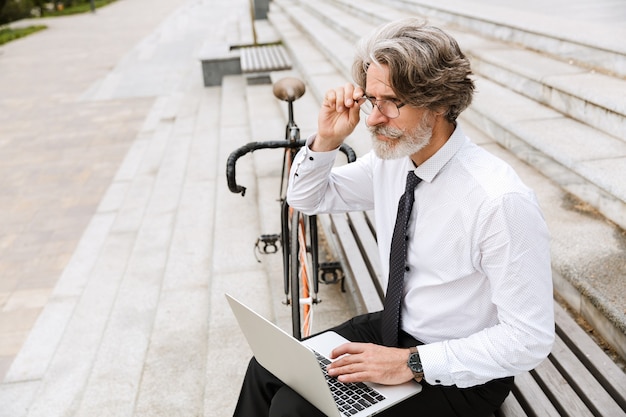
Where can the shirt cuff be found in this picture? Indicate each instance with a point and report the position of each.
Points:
(317, 158)
(435, 365)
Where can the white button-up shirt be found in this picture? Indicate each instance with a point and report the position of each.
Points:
(479, 289)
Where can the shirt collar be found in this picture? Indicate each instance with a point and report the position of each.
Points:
(429, 169)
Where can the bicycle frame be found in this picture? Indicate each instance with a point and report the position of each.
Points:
(293, 239)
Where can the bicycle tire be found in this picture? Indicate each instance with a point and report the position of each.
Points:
(285, 239)
(301, 276)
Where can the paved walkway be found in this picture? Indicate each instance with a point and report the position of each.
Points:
(60, 152)
(117, 235)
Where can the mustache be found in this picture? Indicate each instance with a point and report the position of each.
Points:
(389, 132)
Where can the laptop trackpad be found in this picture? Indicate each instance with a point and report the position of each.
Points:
(324, 343)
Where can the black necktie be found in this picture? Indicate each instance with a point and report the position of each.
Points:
(397, 264)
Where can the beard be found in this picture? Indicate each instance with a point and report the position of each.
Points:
(402, 143)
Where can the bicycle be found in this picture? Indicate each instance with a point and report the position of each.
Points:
(298, 238)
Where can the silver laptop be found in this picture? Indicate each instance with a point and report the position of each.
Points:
(301, 365)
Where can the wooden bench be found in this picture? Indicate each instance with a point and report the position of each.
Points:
(577, 379)
(219, 59)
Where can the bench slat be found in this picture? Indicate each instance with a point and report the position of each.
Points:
(360, 272)
(532, 398)
(369, 248)
(560, 392)
(369, 217)
(608, 374)
(582, 381)
(264, 58)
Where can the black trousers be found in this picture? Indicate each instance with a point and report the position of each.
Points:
(262, 394)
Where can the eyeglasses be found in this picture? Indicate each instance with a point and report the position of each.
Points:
(388, 108)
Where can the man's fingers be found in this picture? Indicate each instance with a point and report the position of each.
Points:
(347, 348)
(342, 98)
(330, 98)
(346, 366)
(348, 95)
(354, 377)
(340, 101)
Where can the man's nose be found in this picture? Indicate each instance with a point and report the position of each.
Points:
(376, 117)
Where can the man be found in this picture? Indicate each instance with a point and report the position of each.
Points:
(475, 290)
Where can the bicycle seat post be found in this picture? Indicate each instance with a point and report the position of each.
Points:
(290, 89)
(291, 117)
(293, 131)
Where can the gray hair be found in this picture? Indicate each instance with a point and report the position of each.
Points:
(426, 66)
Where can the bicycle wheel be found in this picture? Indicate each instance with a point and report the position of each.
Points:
(301, 277)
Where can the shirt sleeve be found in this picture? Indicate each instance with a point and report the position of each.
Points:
(316, 186)
(514, 254)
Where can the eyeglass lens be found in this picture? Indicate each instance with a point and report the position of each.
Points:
(387, 107)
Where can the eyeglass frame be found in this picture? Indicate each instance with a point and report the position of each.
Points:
(375, 102)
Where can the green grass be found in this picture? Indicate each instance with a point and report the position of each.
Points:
(8, 34)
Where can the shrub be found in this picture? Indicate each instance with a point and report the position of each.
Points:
(15, 10)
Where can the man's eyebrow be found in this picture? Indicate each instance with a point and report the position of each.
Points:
(383, 97)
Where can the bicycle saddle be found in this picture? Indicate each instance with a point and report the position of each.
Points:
(289, 89)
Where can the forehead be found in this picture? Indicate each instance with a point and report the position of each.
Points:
(377, 82)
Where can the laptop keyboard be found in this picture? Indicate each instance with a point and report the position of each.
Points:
(350, 398)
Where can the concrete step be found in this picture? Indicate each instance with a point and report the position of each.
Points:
(588, 96)
(593, 98)
(332, 27)
(573, 91)
(318, 71)
(582, 160)
(101, 328)
(591, 44)
(232, 267)
(573, 165)
(125, 331)
(333, 44)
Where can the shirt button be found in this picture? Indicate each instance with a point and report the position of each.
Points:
(311, 158)
(437, 381)
(406, 268)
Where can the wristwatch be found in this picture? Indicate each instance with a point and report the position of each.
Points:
(415, 364)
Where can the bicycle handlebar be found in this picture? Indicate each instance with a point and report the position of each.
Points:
(272, 144)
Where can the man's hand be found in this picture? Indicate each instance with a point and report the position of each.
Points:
(360, 362)
(338, 117)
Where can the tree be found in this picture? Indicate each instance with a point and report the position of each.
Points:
(40, 5)
(2, 3)
(11, 10)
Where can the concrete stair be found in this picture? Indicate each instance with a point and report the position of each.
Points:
(588, 107)
(595, 44)
(554, 100)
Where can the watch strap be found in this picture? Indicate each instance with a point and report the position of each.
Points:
(418, 376)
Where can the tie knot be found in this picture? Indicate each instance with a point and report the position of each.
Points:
(411, 181)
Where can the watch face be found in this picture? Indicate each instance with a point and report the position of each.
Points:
(414, 363)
